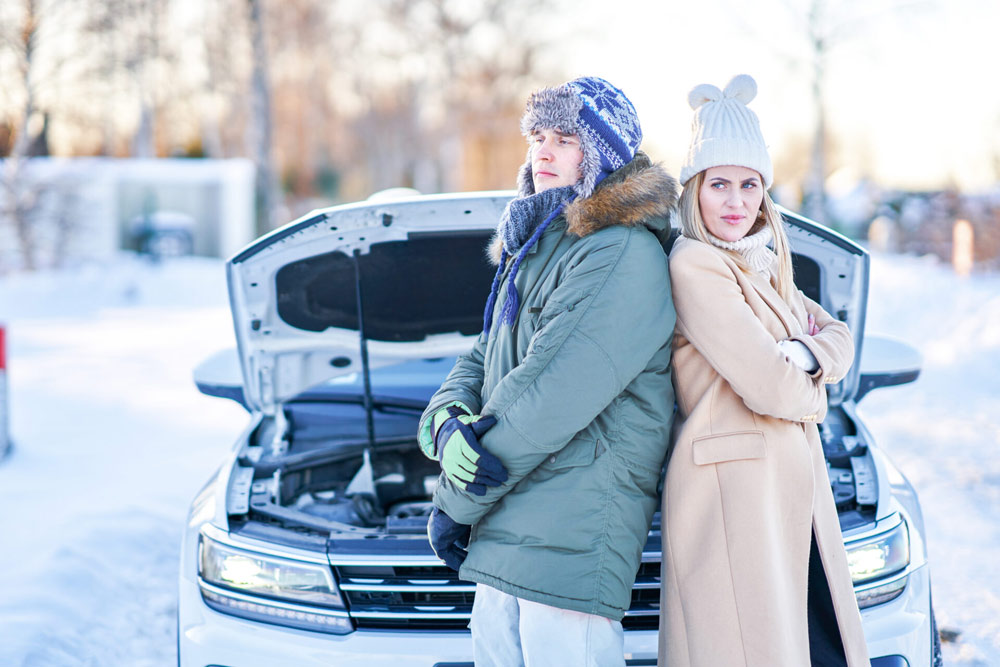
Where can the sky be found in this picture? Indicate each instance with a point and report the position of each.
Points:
(912, 95)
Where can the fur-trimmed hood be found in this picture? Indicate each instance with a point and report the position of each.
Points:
(641, 192)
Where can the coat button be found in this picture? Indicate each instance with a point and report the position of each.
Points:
(552, 459)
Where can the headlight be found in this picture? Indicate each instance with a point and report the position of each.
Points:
(878, 558)
(270, 589)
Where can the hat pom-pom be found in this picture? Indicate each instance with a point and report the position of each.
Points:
(742, 87)
(705, 92)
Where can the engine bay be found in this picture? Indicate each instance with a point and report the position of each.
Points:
(328, 480)
(851, 470)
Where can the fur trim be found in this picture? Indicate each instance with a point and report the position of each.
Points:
(525, 184)
(630, 196)
(494, 250)
(552, 108)
(635, 193)
(590, 167)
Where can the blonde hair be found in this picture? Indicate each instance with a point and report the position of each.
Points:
(693, 226)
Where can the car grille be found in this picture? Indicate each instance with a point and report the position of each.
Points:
(422, 594)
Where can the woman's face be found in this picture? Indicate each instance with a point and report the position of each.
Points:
(730, 198)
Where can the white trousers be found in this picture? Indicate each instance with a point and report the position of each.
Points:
(512, 632)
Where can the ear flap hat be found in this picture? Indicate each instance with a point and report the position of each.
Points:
(591, 108)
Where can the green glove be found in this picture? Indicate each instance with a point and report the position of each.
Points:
(462, 458)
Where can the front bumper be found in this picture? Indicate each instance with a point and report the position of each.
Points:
(902, 627)
(207, 637)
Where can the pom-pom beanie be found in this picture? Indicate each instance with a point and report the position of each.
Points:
(725, 132)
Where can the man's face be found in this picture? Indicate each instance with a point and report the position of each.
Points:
(555, 159)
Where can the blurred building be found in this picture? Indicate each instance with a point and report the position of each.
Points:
(65, 210)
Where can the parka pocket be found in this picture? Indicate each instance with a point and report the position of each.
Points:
(728, 447)
(538, 318)
(550, 308)
(549, 312)
(580, 452)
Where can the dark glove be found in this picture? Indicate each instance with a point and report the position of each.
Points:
(466, 462)
(448, 539)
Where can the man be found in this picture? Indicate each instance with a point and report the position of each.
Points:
(552, 431)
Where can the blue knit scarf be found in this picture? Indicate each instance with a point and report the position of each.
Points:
(521, 225)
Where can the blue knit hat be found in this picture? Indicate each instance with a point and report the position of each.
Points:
(608, 128)
(600, 114)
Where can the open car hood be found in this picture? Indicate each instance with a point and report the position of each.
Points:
(419, 264)
(419, 270)
(833, 271)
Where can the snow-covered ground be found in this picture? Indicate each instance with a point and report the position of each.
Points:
(113, 440)
(943, 431)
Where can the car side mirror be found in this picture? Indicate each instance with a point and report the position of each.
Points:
(886, 362)
(220, 375)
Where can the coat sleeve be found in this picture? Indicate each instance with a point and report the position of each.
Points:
(462, 388)
(714, 316)
(600, 327)
(833, 346)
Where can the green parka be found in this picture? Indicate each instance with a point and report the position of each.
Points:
(580, 386)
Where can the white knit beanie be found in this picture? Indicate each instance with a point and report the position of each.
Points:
(724, 131)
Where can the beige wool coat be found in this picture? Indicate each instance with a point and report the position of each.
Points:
(746, 481)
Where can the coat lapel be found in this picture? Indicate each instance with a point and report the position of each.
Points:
(762, 285)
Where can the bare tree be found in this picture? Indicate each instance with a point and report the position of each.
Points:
(399, 92)
(25, 41)
(261, 125)
(222, 32)
(462, 71)
(818, 31)
(146, 46)
(814, 203)
(995, 153)
(21, 193)
(307, 76)
(37, 202)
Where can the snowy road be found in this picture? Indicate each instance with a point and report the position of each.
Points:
(113, 440)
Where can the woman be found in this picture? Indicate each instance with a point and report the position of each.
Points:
(755, 571)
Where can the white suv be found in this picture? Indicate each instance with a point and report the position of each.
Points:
(308, 546)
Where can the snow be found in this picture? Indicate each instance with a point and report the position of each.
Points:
(112, 441)
(943, 431)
